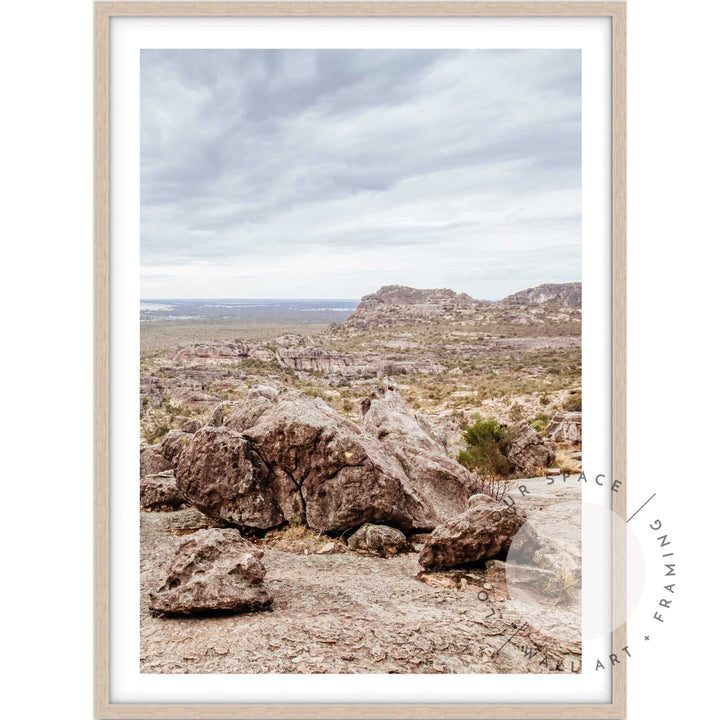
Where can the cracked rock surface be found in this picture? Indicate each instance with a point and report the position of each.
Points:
(212, 570)
(350, 613)
(284, 457)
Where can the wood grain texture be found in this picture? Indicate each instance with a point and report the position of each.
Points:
(619, 345)
(101, 384)
(366, 9)
(104, 11)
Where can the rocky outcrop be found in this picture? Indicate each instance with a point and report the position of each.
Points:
(160, 492)
(386, 416)
(568, 294)
(172, 445)
(224, 476)
(152, 461)
(217, 415)
(566, 428)
(485, 531)
(526, 449)
(379, 540)
(213, 570)
(395, 304)
(191, 426)
(314, 359)
(282, 457)
(419, 448)
(288, 351)
(227, 350)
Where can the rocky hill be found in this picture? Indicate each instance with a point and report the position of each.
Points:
(393, 304)
(398, 305)
(566, 294)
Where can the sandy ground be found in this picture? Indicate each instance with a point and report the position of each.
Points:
(160, 336)
(347, 613)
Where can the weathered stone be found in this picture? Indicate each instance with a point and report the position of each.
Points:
(152, 461)
(568, 294)
(566, 428)
(379, 540)
(385, 415)
(420, 449)
(326, 549)
(484, 531)
(173, 445)
(216, 416)
(160, 492)
(527, 451)
(285, 457)
(394, 304)
(191, 426)
(213, 570)
(224, 476)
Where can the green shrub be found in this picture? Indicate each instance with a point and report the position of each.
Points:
(573, 403)
(156, 432)
(540, 423)
(485, 441)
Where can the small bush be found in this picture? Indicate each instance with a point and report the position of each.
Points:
(156, 432)
(540, 423)
(485, 441)
(573, 403)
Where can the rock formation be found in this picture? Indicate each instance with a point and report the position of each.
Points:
(527, 451)
(213, 570)
(393, 304)
(160, 492)
(484, 531)
(152, 461)
(283, 457)
(566, 428)
(378, 540)
(569, 294)
(172, 445)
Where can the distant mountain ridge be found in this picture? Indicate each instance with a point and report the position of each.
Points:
(396, 304)
(569, 294)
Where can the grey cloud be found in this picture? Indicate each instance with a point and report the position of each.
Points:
(263, 153)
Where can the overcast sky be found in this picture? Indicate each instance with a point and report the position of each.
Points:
(326, 174)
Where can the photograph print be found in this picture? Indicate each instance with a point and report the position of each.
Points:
(360, 361)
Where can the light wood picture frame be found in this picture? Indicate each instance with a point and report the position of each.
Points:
(104, 14)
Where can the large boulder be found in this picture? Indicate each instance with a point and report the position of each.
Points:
(224, 476)
(160, 492)
(213, 570)
(526, 449)
(379, 540)
(385, 415)
(421, 451)
(484, 531)
(566, 428)
(283, 457)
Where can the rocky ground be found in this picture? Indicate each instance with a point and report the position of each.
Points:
(304, 509)
(450, 355)
(350, 613)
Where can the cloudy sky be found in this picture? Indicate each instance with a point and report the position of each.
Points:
(326, 174)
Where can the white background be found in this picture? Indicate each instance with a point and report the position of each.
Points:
(592, 36)
(46, 266)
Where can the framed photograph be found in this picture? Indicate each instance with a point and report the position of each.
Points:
(360, 360)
